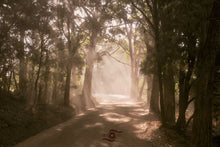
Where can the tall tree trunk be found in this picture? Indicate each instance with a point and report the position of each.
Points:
(41, 98)
(202, 122)
(38, 76)
(149, 88)
(87, 87)
(134, 86)
(169, 95)
(4, 81)
(160, 78)
(87, 99)
(46, 78)
(150, 49)
(132, 52)
(154, 100)
(54, 95)
(30, 92)
(22, 69)
(74, 81)
(181, 121)
(141, 90)
(9, 81)
(67, 87)
(15, 81)
(158, 56)
(75, 98)
(72, 48)
(184, 88)
(69, 66)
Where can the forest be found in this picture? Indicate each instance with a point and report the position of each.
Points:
(96, 59)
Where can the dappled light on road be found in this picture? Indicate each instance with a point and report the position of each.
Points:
(59, 129)
(115, 117)
(93, 125)
(140, 113)
(115, 125)
(145, 129)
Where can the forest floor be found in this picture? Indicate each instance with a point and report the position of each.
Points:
(17, 123)
(126, 124)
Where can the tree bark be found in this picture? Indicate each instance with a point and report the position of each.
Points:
(41, 98)
(141, 90)
(87, 100)
(134, 86)
(169, 95)
(154, 100)
(184, 88)
(73, 43)
(38, 75)
(149, 88)
(46, 78)
(54, 95)
(181, 121)
(134, 67)
(22, 69)
(156, 30)
(67, 87)
(15, 81)
(87, 86)
(9, 81)
(202, 122)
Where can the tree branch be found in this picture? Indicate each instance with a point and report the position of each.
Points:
(191, 117)
(113, 26)
(190, 84)
(143, 13)
(192, 99)
(86, 11)
(150, 7)
(118, 43)
(118, 60)
(115, 51)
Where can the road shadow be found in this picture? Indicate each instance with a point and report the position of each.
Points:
(132, 126)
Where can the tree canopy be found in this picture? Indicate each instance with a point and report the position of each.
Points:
(48, 50)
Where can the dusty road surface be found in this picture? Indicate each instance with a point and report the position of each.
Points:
(112, 124)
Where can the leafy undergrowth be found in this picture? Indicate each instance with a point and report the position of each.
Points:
(17, 124)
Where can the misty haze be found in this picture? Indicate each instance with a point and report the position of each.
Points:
(109, 73)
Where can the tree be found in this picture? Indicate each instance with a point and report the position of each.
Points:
(133, 46)
(67, 25)
(149, 69)
(43, 37)
(182, 36)
(205, 69)
(152, 18)
(97, 14)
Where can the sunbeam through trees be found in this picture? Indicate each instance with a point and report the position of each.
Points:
(134, 72)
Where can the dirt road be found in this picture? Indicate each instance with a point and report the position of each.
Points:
(109, 125)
